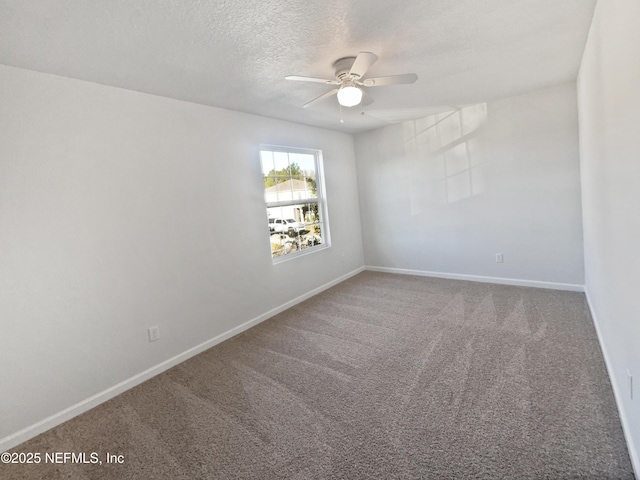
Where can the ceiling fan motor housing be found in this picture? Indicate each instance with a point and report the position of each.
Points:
(342, 68)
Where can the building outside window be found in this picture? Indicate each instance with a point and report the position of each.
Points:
(295, 200)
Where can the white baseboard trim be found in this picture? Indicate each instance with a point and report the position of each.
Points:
(633, 453)
(476, 278)
(56, 419)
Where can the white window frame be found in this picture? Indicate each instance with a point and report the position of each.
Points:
(321, 201)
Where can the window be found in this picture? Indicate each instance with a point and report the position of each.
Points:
(295, 200)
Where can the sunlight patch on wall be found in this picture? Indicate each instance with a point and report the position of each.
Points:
(448, 156)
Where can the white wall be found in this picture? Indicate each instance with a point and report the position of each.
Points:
(447, 192)
(609, 111)
(121, 210)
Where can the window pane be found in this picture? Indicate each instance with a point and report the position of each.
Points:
(270, 193)
(273, 213)
(310, 213)
(277, 241)
(283, 189)
(313, 236)
(266, 159)
(281, 161)
(303, 188)
(305, 162)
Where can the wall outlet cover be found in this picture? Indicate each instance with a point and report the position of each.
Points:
(154, 333)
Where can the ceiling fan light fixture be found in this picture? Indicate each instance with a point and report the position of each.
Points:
(349, 96)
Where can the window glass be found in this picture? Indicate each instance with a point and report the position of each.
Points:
(296, 208)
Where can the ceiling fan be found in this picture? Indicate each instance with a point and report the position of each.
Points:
(349, 72)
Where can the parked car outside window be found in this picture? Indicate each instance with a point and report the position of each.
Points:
(281, 225)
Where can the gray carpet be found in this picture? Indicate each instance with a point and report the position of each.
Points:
(381, 377)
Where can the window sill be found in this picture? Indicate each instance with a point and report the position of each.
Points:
(301, 253)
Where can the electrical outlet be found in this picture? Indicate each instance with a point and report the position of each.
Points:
(499, 258)
(154, 333)
(630, 377)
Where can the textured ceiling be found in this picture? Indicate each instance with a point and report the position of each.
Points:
(235, 53)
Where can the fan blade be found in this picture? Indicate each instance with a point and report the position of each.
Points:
(312, 79)
(321, 97)
(362, 63)
(403, 79)
(366, 99)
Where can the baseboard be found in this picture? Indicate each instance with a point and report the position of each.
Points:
(25, 434)
(476, 278)
(633, 453)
